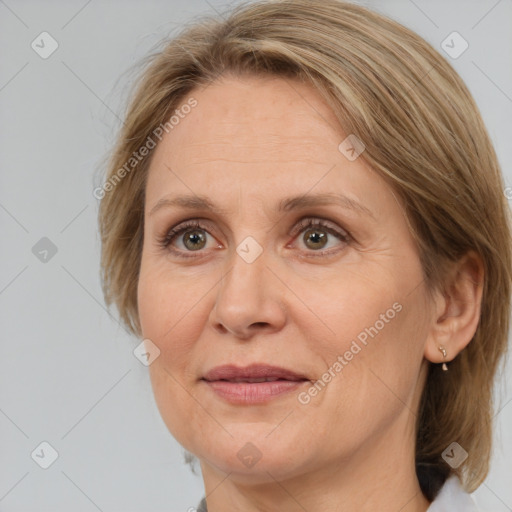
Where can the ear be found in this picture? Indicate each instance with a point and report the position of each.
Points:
(457, 309)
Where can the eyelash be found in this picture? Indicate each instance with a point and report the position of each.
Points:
(165, 241)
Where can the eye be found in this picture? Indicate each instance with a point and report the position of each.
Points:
(317, 235)
(193, 238)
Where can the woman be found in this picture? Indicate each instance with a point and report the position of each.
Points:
(305, 223)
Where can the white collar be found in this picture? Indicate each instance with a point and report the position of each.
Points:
(453, 498)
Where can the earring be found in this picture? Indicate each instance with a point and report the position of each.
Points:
(443, 351)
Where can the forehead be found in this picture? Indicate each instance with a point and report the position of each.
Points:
(261, 118)
(252, 125)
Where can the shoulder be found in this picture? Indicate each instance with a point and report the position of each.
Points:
(453, 498)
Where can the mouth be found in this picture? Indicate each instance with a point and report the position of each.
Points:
(253, 380)
(257, 383)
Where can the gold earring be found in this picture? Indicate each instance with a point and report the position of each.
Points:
(443, 351)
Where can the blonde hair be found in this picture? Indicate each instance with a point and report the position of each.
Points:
(423, 133)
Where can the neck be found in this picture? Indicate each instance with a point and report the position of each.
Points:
(381, 476)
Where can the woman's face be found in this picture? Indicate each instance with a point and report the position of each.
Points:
(278, 274)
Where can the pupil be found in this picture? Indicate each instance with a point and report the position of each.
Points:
(193, 240)
(317, 238)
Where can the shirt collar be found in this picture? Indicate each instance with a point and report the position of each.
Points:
(453, 498)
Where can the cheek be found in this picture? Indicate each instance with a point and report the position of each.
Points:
(174, 309)
(381, 349)
(348, 302)
(377, 324)
(164, 297)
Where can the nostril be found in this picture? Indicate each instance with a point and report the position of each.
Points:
(259, 324)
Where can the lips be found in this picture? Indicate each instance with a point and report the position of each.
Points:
(254, 384)
(252, 374)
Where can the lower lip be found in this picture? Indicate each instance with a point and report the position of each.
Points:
(253, 392)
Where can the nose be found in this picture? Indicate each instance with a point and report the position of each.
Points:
(249, 299)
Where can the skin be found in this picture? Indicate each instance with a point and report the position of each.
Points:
(249, 143)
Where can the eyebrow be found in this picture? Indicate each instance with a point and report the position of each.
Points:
(199, 202)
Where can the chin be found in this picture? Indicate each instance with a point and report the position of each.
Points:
(267, 469)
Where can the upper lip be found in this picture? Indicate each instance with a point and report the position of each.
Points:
(253, 371)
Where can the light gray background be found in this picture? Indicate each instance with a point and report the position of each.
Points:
(68, 375)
